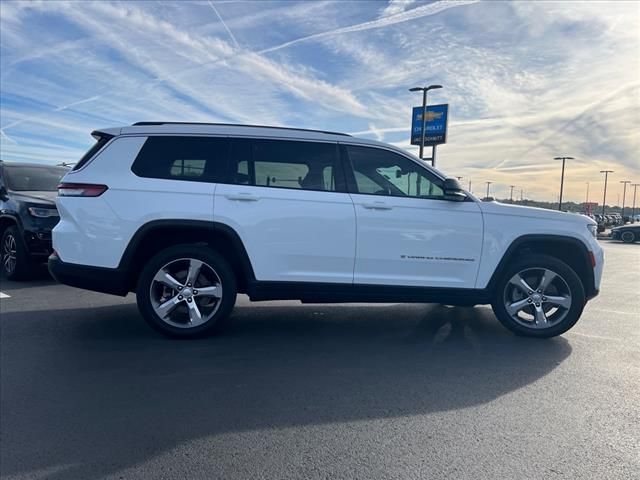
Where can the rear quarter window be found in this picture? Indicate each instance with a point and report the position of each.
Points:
(197, 159)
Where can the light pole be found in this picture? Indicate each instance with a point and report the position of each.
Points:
(562, 178)
(633, 210)
(488, 183)
(587, 192)
(424, 114)
(604, 198)
(470, 187)
(624, 194)
(512, 186)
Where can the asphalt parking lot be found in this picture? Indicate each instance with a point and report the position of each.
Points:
(319, 391)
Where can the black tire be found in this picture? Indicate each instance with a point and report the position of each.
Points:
(628, 237)
(571, 282)
(23, 267)
(222, 311)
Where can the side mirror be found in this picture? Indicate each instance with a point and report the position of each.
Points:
(4, 195)
(453, 191)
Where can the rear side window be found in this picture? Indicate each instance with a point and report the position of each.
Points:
(198, 159)
(101, 142)
(287, 164)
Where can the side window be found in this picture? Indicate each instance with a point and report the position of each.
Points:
(199, 159)
(381, 172)
(286, 164)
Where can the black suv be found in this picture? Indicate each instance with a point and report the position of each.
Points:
(27, 215)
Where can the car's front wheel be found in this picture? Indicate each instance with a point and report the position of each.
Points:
(186, 291)
(628, 237)
(539, 296)
(16, 263)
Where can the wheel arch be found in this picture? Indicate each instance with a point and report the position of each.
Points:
(157, 235)
(7, 221)
(570, 250)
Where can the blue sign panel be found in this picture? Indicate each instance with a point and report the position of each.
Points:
(436, 126)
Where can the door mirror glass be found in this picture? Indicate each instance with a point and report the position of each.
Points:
(453, 191)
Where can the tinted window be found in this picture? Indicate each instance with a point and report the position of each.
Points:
(381, 172)
(287, 164)
(200, 159)
(41, 179)
(101, 142)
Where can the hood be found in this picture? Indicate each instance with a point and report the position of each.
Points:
(497, 208)
(47, 198)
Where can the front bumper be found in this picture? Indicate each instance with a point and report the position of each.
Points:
(88, 277)
(38, 242)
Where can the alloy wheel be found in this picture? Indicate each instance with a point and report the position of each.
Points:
(537, 298)
(9, 253)
(186, 293)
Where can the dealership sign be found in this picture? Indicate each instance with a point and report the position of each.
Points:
(436, 126)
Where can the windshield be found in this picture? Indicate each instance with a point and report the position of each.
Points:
(41, 179)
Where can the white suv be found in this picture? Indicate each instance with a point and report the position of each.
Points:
(188, 215)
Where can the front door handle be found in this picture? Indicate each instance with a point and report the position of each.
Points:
(377, 206)
(245, 197)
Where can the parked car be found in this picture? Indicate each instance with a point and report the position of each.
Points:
(188, 215)
(626, 233)
(27, 215)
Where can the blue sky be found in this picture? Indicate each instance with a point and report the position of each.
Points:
(526, 81)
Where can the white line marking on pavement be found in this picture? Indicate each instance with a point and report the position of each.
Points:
(4, 295)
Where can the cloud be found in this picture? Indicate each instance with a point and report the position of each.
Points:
(414, 14)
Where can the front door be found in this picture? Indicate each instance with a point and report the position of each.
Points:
(407, 234)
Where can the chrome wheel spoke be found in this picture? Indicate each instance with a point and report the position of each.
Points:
(214, 291)
(167, 279)
(167, 307)
(541, 318)
(515, 307)
(194, 271)
(564, 302)
(521, 283)
(195, 317)
(545, 281)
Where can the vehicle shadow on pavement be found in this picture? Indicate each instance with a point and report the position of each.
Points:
(94, 391)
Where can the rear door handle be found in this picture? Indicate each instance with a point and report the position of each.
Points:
(377, 206)
(245, 197)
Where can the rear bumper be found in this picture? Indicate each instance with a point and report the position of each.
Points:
(98, 279)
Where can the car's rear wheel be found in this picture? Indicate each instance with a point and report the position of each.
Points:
(539, 296)
(628, 237)
(186, 291)
(16, 263)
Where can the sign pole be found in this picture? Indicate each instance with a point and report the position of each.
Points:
(424, 122)
(433, 157)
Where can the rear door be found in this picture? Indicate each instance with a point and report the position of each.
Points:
(407, 234)
(287, 201)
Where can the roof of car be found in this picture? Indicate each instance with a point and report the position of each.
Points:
(27, 164)
(235, 130)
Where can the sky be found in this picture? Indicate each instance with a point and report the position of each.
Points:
(525, 81)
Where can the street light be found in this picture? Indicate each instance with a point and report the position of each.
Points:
(587, 193)
(488, 183)
(424, 91)
(624, 194)
(633, 210)
(512, 186)
(562, 178)
(604, 199)
(470, 187)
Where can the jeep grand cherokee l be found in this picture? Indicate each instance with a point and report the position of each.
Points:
(188, 215)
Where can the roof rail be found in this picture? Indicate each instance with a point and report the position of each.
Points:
(137, 124)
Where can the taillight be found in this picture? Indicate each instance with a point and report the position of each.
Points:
(592, 257)
(81, 190)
